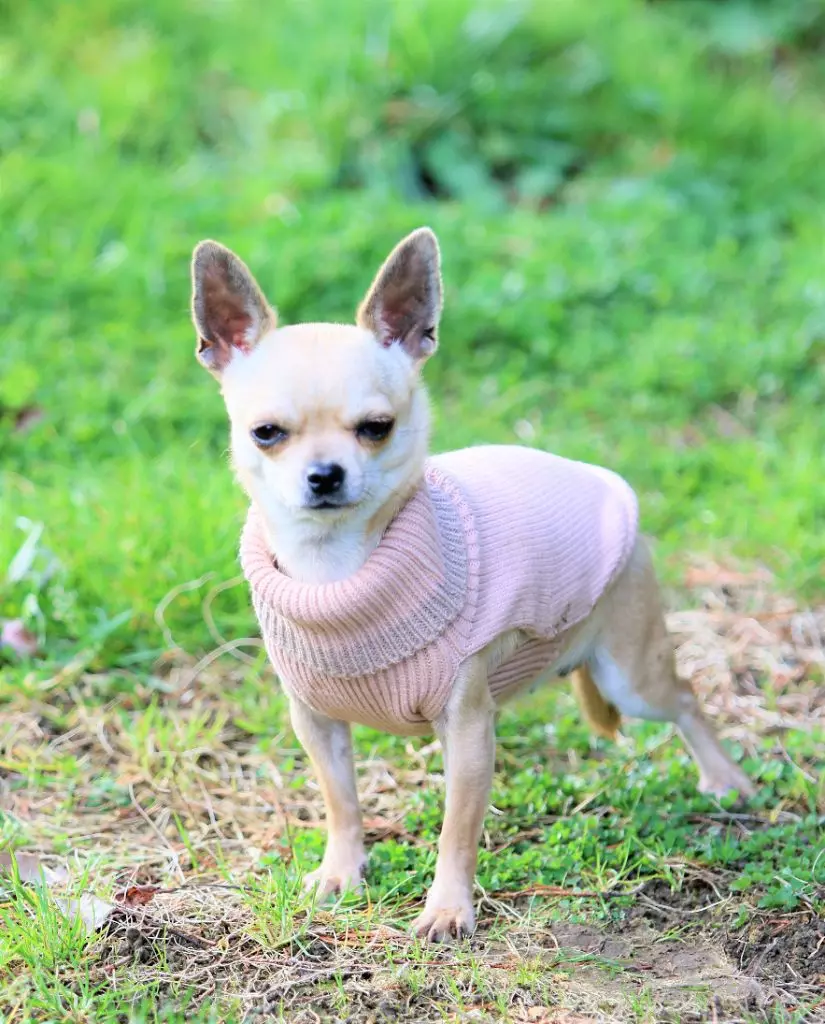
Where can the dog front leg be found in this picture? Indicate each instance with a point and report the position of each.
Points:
(328, 744)
(467, 734)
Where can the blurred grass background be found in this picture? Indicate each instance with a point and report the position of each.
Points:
(629, 198)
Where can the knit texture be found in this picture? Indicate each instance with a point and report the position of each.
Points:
(495, 539)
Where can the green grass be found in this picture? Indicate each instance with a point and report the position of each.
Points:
(630, 203)
(661, 310)
(582, 837)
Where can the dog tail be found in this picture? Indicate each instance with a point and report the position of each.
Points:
(600, 714)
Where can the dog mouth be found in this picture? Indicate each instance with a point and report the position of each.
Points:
(327, 505)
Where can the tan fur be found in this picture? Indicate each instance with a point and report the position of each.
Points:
(318, 382)
(601, 716)
(329, 746)
(466, 730)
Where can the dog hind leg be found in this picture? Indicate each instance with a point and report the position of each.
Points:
(632, 664)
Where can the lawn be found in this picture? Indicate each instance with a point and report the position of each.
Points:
(631, 207)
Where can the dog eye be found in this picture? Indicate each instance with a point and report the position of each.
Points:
(374, 430)
(268, 434)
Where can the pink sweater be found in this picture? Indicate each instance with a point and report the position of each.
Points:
(495, 539)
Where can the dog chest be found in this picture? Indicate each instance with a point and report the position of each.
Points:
(496, 539)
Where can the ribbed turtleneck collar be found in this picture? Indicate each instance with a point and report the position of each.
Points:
(412, 586)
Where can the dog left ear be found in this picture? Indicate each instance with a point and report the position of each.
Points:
(403, 305)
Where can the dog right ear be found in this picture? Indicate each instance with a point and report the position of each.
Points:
(403, 305)
(228, 308)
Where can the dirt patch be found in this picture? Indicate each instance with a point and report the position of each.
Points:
(777, 949)
(678, 955)
(787, 949)
(678, 979)
(209, 940)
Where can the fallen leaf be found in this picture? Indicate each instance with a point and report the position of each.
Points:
(21, 640)
(384, 827)
(548, 890)
(544, 1015)
(30, 868)
(91, 910)
(136, 895)
(285, 851)
(26, 554)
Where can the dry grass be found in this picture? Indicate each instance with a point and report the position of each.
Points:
(742, 634)
(163, 797)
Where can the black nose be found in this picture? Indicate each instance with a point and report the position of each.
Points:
(325, 478)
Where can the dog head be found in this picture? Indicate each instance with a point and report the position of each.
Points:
(328, 422)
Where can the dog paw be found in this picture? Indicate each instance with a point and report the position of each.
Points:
(334, 879)
(733, 781)
(444, 924)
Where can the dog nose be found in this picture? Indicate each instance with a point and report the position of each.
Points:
(325, 478)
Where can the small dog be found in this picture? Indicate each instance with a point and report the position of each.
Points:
(416, 593)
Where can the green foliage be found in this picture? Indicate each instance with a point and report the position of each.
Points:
(631, 243)
(602, 826)
(630, 202)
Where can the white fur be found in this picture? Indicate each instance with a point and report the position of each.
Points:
(616, 688)
(319, 381)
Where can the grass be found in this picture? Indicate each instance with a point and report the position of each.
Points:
(629, 198)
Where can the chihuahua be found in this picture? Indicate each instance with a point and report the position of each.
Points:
(416, 593)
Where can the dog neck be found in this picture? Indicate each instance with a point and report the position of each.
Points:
(310, 550)
(315, 553)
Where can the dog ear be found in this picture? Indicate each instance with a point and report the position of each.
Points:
(228, 308)
(403, 304)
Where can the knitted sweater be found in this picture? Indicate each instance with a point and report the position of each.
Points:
(495, 539)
